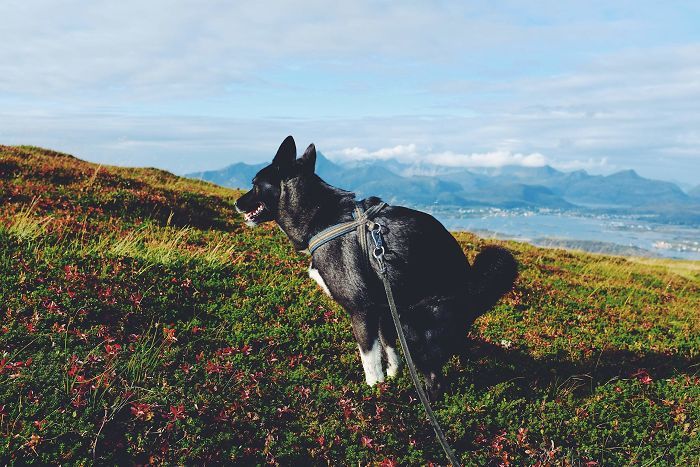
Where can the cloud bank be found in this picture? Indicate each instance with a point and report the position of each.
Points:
(412, 154)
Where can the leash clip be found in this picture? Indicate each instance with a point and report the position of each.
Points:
(378, 251)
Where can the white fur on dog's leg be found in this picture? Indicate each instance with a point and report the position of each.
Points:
(372, 363)
(393, 361)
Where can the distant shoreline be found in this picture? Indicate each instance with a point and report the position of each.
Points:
(612, 235)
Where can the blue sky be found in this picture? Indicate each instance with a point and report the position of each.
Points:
(192, 85)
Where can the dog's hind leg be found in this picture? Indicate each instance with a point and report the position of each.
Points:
(366, 331)
(387, 334)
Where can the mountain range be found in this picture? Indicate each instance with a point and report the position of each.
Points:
(508, 187)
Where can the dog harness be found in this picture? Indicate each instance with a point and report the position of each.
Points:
(363, 220)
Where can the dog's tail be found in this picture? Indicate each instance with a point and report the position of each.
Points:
(492, 275)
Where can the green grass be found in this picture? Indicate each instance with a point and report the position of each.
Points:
(142, 322)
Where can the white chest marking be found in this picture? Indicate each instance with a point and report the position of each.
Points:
(314, 274)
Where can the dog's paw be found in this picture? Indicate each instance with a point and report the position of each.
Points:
(393, 362)
(372, 364)
(392, 371)
(373, 379)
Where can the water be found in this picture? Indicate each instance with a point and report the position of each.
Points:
(645, 238)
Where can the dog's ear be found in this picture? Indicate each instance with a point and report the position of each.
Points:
(286, 154)
(308, 160)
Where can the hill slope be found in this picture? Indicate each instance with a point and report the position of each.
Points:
(143, 323)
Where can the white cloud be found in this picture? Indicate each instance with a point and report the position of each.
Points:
(409, 153)
(487, 159)
(400, 152)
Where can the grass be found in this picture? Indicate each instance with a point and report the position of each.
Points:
(143, 323)
(688, 269)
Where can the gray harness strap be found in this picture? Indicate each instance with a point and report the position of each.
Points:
(362, 234)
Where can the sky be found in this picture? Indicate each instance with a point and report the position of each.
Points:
(195, 85)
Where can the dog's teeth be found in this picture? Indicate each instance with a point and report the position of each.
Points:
(250, 215)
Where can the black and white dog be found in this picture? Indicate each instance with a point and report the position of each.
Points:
(437, 292)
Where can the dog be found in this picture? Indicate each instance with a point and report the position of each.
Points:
(437, 293)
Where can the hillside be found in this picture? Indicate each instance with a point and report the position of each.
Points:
(143, 323)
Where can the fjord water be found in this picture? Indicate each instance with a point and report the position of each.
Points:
(645, 238)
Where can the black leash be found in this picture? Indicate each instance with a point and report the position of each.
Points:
(378, 253)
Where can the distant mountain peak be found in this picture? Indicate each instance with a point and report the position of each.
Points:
(628, 173)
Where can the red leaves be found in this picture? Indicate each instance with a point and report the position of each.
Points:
(348, 409)
(136, 299)
(185, 284)
(212, 367)
(227, 351)
(304, 392)
(521, 437)
(74, 368)
(4, 365)
(106, 295)
(169, 335)
(78, 401)
(141, 411)
(33, 397)
(330, 317)
(378, 411)
(52, 307)
(367, 442)
(112, 349)
(33, 442)
(295, 359)
(643, 376)
(176, 412)
(79, 334)
(71, 273)
(39, 424)
(15, 369)
(284, 410)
